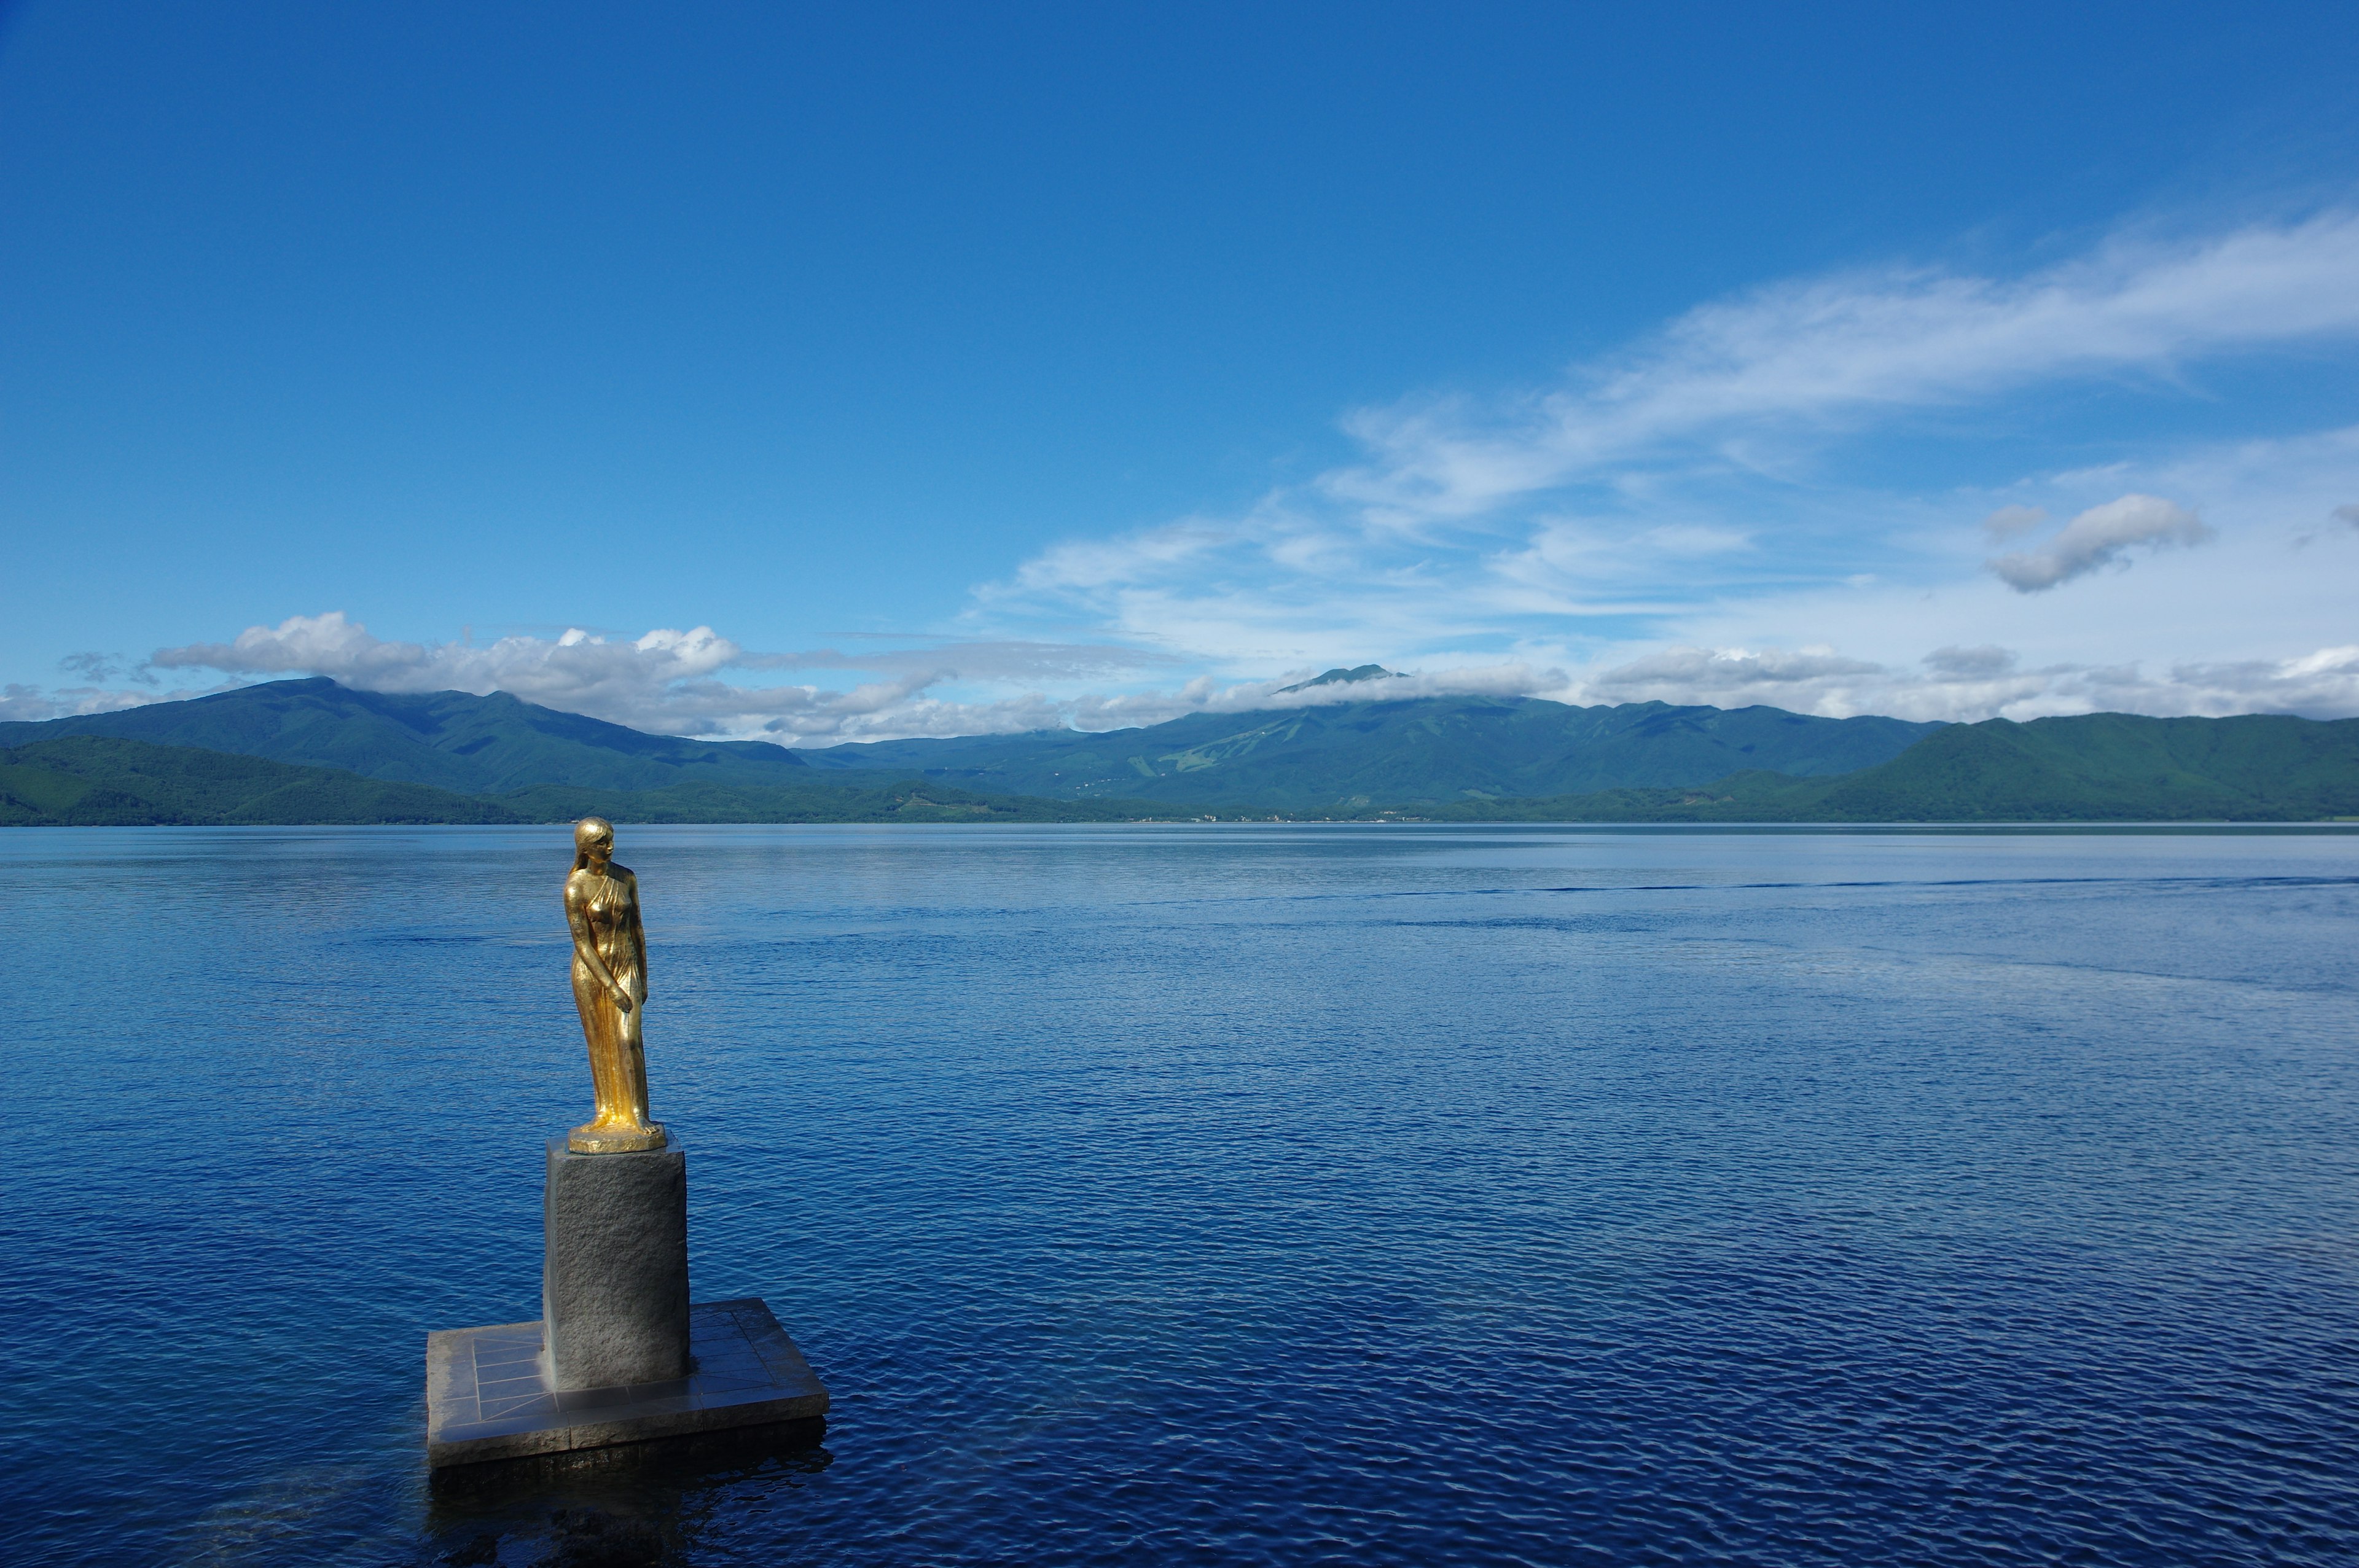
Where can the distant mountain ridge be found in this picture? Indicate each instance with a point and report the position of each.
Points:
(449, 739)
(1452, 759)
(1406, 751)
(106, 780)
(1334, 756)
(2090, 767)
(103, 781)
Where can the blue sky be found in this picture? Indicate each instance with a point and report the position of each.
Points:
(854, 372)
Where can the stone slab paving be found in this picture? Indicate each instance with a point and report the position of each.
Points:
(487, 1396)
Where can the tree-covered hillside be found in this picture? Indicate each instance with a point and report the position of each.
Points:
(99, 780)
(2095, 768)
(1342, 757)
(839, 800)
(478, 745)
(2099, 767)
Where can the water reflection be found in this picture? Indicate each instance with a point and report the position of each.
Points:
(640, 1503)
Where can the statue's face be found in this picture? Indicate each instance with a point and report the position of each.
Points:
(601, 847)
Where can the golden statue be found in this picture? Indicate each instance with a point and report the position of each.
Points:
(610, 986)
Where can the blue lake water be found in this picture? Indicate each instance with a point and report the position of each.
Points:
(1220, 1194)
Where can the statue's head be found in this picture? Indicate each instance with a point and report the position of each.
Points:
(592, 835)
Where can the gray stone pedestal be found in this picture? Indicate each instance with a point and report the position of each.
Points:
(619, 1355)
(487, 1399)
(614, 1287)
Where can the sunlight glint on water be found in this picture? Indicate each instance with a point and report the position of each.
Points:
(1216, 1195)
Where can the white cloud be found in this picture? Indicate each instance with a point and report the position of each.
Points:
(20, 702)
(2009, 520)
(666, 681)
(1956, 683)
(1800, 360)
(1589, 523)
(2097, 537)
(1724, 672)
(1967, 684)
(1960, 663)
(1674, 521)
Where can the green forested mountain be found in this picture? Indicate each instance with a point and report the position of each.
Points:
(2120, 765)
(2098, 767)
(839, 800)
(1357, 760)
(1418, 750)
(1329, 757)
(100, 781)
(478, 745)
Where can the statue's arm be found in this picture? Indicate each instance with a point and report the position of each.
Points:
(584, 947)
(638, 937)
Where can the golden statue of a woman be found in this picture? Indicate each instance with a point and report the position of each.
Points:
(610, 986)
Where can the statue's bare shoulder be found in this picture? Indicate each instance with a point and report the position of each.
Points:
(583, 885)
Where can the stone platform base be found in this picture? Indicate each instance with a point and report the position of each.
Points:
(487, 1396)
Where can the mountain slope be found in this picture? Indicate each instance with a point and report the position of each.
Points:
(2115, 765)
(1456, 759)
(1423, 749)
(898, 800)
(2098, 767)
(1427, 750)
(478, 745)
(101, 781)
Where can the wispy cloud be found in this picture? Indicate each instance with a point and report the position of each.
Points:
(1794, 361)
(1953, 683)
(1706, 475)
(2097, 538)
(672, 681)
(1720, 513)
(2008, 521)
(668, 681)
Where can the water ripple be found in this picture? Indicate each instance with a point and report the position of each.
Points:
(1174, 1195)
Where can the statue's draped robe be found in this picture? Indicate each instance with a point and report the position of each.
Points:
(618, 1071)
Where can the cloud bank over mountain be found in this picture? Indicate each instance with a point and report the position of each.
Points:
(1833, 495)
(667, 682)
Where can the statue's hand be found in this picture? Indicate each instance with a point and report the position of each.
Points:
(622, 998)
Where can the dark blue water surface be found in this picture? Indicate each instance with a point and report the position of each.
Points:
(1219, 1195)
